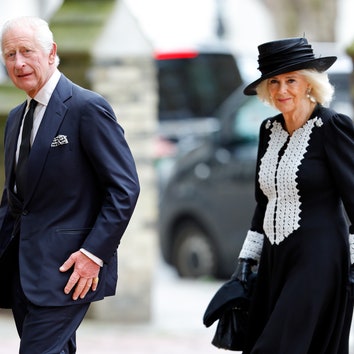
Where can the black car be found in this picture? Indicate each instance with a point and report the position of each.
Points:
(208, 202)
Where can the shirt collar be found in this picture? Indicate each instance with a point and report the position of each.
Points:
(44, 94)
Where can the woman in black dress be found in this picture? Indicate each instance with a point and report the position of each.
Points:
(302, 301)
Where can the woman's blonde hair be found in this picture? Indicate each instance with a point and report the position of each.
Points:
(321, 89)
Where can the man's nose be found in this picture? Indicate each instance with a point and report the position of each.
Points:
(19, 60)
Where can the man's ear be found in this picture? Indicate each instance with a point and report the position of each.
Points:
(53, 53)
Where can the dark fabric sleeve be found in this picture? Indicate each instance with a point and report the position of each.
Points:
(339, 147)
(114, 165)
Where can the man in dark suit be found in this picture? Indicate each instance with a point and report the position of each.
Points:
(66, 202)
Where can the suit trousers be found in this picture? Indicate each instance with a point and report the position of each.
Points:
(45, 330)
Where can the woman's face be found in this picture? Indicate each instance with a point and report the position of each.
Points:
(288, 91)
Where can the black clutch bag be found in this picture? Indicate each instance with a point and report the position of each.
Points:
(229, 306)
(231, 330)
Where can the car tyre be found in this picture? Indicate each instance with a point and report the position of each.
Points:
(193, 252)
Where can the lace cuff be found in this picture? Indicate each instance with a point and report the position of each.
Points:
(252, 246)
(351, 248)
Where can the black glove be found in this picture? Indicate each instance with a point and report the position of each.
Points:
(244, 270)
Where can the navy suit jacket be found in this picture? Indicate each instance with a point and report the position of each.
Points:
(81, 194)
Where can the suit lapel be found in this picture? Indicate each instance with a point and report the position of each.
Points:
(47, 131)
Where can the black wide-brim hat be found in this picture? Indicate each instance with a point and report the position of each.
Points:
(286, 55)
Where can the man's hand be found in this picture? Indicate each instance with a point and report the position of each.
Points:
(83, 278)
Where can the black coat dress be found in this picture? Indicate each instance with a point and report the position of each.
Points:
(303, 301)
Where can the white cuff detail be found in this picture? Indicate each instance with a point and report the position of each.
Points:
(351, 248)
(92, 257)
(252, 246)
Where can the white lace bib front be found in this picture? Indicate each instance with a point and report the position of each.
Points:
(278, 179)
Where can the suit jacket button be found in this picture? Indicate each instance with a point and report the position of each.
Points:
(24, 212)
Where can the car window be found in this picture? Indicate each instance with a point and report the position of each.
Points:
(248, 118)
(342, 101)
(193, 87)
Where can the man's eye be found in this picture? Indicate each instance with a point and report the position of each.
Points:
(10, 56)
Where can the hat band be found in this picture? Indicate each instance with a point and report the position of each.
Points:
(269, 60)
(287, 60)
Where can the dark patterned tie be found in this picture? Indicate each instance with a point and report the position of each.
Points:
(25, 147)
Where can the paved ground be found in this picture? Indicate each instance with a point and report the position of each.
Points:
(176, 327)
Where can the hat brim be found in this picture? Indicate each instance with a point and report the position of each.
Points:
(319, 64)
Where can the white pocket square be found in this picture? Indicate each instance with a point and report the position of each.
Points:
(59, 140)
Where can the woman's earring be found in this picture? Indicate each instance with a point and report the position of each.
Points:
(308, 95)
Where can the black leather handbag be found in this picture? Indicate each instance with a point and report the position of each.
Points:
(231, 330)
(229, 306)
